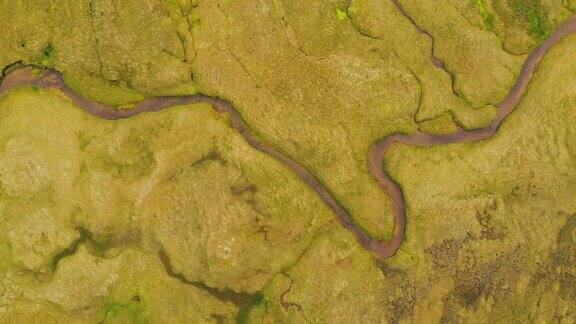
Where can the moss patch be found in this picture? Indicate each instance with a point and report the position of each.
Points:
(534, 15)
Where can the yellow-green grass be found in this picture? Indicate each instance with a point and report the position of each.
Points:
(115, 193)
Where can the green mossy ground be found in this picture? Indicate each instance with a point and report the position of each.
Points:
(488, 221)
(534, 14)
(487, 16)
(520, 24)
(180, 180)
(87, 205)
(363, 82)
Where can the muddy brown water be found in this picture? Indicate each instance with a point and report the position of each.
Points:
(48, 78)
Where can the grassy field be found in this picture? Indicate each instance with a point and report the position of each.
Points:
(496, 215)
(88, 204)
(171, 216)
